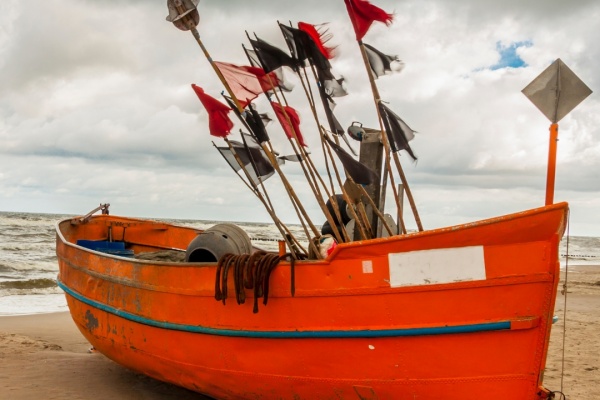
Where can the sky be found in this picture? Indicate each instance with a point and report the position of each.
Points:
(96, 106)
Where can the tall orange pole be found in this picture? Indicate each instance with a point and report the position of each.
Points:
(551, 164)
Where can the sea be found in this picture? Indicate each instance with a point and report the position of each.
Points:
(29, 266)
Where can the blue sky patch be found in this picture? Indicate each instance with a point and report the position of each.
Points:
(508, 55)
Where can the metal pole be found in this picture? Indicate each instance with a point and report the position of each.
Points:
(550, 177)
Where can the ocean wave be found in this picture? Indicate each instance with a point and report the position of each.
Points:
(582, 257)
(39, 283)
(6, 268)
(32, 266)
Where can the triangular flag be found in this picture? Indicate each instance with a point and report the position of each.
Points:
(219, 124)
(363, 14)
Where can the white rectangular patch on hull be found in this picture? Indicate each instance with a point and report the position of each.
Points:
(428, 267)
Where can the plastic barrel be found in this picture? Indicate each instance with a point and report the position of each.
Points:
(342, 206)
(215, 242)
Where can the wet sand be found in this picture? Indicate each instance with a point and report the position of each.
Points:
(44, 356)
(581, 377)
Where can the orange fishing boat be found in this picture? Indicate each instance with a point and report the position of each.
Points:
(462, 312)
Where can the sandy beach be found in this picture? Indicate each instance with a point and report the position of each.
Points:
(581, 379)
(45, 357)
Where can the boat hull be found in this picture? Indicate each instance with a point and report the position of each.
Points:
(361, 325)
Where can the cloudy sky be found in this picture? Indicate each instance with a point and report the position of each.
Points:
(96, 106)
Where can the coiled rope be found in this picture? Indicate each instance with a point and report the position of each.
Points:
(249, 272)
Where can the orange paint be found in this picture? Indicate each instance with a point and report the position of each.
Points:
(409, 351)
(551, 174)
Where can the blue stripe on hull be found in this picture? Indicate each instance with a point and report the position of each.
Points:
(441, 330)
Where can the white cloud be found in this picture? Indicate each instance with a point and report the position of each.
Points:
(96, 106)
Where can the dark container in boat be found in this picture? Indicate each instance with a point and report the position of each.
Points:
(215, 242)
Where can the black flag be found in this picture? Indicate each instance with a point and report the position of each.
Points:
(256, 61)
(297, 43)
(252, 156)
(335, 87)
(305, 51)
(398, 132)
(256, 124)
(359, 172)
(335, 125)
(271, 57)
(253, 119)
(382, 63)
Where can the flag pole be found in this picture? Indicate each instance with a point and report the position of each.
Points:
(326, 152)
(311, 102)
(386, 144)
(308, 169)
(323, 145)
(245, 123)
(376, 14)
(333, 203)
(298, 213)
(280, 225)
(330, 121)
(346, 196)
(384, 140)
(190, 24)
(268, 199)
(313, 185)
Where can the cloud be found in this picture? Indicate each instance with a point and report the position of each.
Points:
(96, 106)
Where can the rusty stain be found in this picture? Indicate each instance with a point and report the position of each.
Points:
(137, 302)
(91, 322)
(365, 392)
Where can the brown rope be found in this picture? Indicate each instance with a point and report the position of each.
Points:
(249, 272)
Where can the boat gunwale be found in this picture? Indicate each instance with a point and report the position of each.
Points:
(340, 247)
(499, 281)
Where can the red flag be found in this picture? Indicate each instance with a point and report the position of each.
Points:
(319, 38)
(267, 81)
(363, 14)
(219, 124)
(246, 82)
(281, 112)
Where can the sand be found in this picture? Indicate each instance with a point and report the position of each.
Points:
(581, 379)
(44, 356)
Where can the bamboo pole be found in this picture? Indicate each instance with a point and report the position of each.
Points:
(280, 226)
(331, 194)
(306, 156)
(309, 170)
(322, 131)
(330, 120)
(192, 27)
(386, 144)
(345, 195)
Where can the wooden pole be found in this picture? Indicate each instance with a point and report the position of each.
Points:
(268, 206)
(310, 166)
(362, 230)
(190, 23)
(377, 99)
(347, 199)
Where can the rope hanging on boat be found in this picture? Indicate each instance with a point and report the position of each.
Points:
(562, 372)
(249, 272)
(561, 394)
